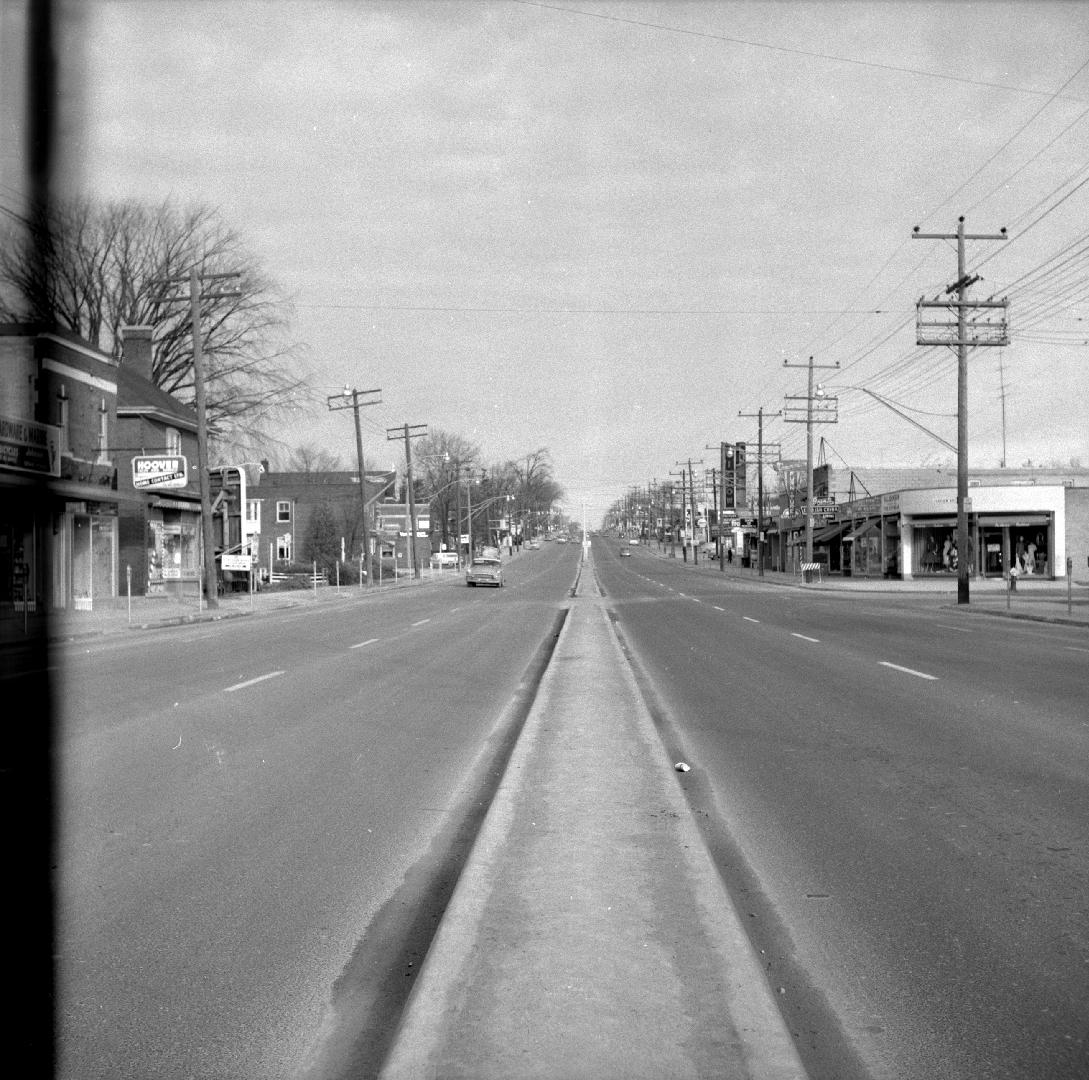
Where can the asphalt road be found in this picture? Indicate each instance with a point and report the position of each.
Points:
(897, 795)
(257, 820)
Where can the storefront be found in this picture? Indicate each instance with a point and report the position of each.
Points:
(20, 555)
(173, 548)
(56, 552)
(910, 534)
(1019, 526)
(91, 532)
(863, 549)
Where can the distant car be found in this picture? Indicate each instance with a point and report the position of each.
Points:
(484, 571)
(561, 539)
(533, 545)
(625, 553)
(634, 542)
(489, 553)
(442, 559)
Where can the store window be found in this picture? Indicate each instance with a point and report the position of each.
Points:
(935, 550)
(1030, 551)
(172, 550)
(94, 559)
(866, 557)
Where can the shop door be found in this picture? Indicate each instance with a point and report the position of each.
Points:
(995, 546)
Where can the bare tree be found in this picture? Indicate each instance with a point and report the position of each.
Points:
(439, 459)
(536, 489)
(310, 458)
(93, 267)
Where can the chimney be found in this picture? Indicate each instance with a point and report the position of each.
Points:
(136, 352)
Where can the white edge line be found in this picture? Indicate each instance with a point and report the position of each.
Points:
(369, 641)
(959, 629)
(908, 671)
(251, 682)
(421, 622)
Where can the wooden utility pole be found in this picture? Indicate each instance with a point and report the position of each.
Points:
(825, 413)
(408, 432)
(759, 414)
(352, 399)
(983, 333)
(672, 514)
(195, 299)
(691, 502)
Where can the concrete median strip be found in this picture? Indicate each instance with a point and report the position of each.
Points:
(589, 934)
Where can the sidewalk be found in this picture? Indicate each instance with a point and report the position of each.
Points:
(589, 934)
(1038, 599)
(118, 615)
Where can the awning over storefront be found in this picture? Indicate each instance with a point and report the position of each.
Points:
(830, 532)
(865, 527)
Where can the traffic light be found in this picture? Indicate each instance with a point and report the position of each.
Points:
(740, 494)
(728, 473)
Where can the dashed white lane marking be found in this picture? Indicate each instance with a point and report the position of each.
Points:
(251, 682)
(1075, 648)
(695, 600)
(908, 671)
(717, 608)
(369, 641)
(421, 622)
(959, 629)
(748, 619)
(816, 641)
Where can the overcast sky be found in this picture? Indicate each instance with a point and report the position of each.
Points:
(603, 227)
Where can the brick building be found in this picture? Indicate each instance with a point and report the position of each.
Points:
(58, 498)
(298, 512)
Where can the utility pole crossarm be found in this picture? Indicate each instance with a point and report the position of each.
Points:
(916, 235)
(962, 303)
(761, 448)
(809, 422)
(354, 400)
(963, 342)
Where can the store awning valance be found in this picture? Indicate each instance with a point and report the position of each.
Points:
(830, 532)
(865, 527)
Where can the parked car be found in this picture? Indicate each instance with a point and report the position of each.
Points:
(443, 559)
(534, 545)
(484, 571)
(625, 553)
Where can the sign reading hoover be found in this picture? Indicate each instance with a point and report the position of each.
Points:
(168, 471)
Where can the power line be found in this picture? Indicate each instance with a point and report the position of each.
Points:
(787, 49)
(956, 191)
